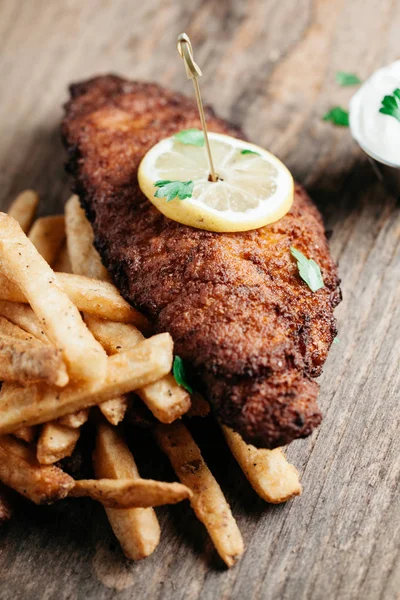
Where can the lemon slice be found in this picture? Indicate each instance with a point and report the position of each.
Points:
(253, 189)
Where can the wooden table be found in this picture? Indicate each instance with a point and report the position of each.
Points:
(270, 67)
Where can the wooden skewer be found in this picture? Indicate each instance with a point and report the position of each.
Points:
(193, 72)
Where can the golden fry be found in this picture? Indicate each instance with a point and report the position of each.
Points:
(165, 398)
(27, 434)
(76, 419)
(85, 260)
(90, 295)
(100, 298)
(208, 501)
(268, 472)
(28, 360)
(23, 209)
(61, 321)
(131, 493)
(55, 443)
(9, 329)
(115, 409)
(137, 529)
(113, 336)
(23, 316)
(62, 263)
(20, 470)
(47, 235)
(36, 404)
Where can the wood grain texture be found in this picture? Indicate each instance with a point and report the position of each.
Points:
(269, 66)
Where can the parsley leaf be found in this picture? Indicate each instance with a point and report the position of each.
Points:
(249, 152)
(391, 105)
(309, 270)
(343, 78)
(172, 189)
(338, 116)
(179, 372)
(190, 137)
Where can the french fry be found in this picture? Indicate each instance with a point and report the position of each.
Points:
(28, 360)
(11, 330)
(23, 358)
(55, 443)
(21, 262)
(75, 419)
(131, 493)
(20, 470)
(114, 410)
(268, 472)
(27, 434)
(23, 209)
(208, 501)
(47, 234)
(23, 316)
(53, 248)
(147, 362)
(101, 299)
(137, 529)
(114, 337)
(90, 295)
(165, 398)
(85, 260)
(6, 507)
(62, 262)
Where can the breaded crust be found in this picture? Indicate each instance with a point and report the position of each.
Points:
(252, 331)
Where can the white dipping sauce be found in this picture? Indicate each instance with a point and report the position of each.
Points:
(377, 134)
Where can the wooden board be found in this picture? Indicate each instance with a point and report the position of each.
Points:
(270, 67)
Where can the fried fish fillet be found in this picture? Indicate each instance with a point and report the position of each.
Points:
(252, 332)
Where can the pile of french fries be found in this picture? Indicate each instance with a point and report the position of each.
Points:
(72, 349)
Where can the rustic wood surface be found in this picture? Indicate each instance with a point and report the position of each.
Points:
(270, 67)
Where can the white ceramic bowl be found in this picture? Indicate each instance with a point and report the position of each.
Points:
(378, 134)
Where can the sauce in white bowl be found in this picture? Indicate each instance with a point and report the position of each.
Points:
(378, 134)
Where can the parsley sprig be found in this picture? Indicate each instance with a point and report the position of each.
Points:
(246, 151)
(309, 270)
(338, 116)
(190, 137)
(173, 189)
(179, 372)
(391, 105)
(344, 79)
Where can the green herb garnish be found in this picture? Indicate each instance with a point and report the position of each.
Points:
(336, 340)
(190, 137)
(173, 189)
(179, 372)
(249, 152)
(391, 105)
(338, 116)
(309, 270)
(343, 78)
